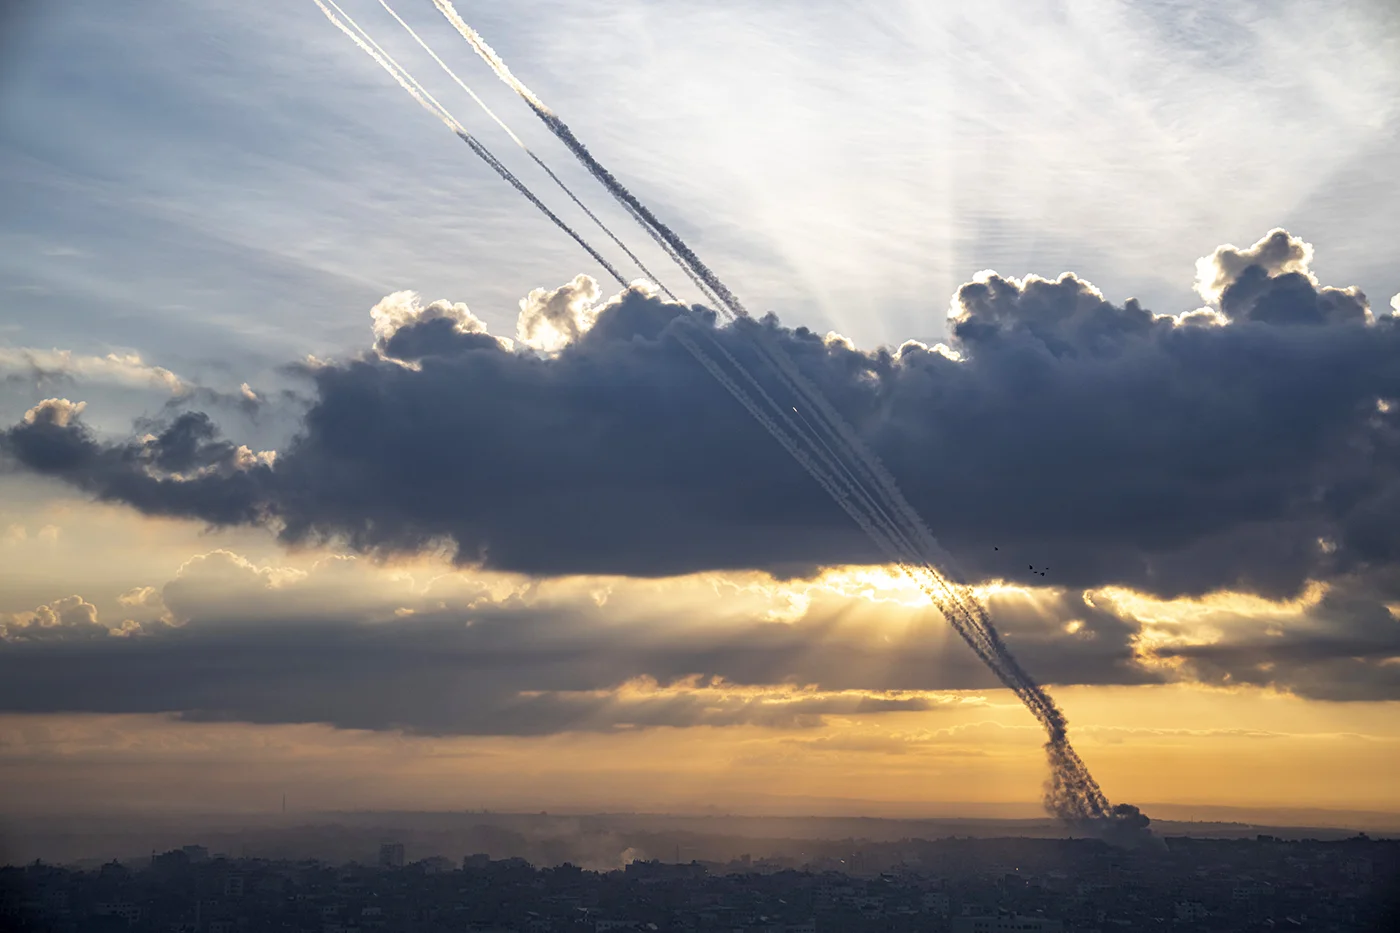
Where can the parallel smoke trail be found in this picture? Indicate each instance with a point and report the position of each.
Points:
(849, 495)
(787, 372)
(658, 231)
(703, 277)
(431, 104)
(1074, 792)
(376, 52)
(864, 489)
(497, 64)
(528, 151)
(840, 485)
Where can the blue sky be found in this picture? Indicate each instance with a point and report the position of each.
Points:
(225, 186)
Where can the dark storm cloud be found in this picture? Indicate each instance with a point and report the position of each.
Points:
(1249, 448)
(186, 470)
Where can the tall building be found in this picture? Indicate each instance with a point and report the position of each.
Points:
(391, 855)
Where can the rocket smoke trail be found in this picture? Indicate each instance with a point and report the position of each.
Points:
(864, 486)
(865, 461)
(528, 151)
(826, 446)
(658, 231)
(712, 287)
(431, 104)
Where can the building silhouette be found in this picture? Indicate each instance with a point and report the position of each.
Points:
(391, 855)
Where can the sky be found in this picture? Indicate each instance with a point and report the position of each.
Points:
(329, 467)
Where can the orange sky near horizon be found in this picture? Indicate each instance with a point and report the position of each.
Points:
(1183, 744)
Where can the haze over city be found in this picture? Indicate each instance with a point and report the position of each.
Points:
(898, 410)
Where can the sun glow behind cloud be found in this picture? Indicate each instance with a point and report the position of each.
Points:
(866, 603)
(864, 749)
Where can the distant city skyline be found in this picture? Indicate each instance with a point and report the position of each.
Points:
(1003, 885)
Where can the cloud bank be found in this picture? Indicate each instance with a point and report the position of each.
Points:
(1248, 446)
(229, 640)
(354, 647)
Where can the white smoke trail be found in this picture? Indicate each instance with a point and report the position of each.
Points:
(819, 471)
(887, 535)
(888, 509)
(528, 151)
(699, 273)
(452, 74)
(485, 51)
(883, 513)
(381, 57)
(704, 279)
(430, 103)
(702, 275)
